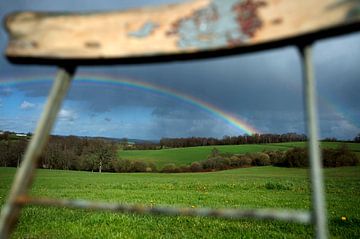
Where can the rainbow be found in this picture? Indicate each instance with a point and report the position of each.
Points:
(332, 107)
(96, 78)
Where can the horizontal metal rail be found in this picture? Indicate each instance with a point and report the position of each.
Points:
(297, 216)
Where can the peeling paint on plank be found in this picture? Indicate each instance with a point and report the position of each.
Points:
(145, 30)
(214, 26)
(220, 23)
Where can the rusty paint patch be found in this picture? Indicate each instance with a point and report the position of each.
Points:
(247, 16)
(221, 23)
(145, 30)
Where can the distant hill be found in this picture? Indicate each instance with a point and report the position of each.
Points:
(19, 135)
(119, 140)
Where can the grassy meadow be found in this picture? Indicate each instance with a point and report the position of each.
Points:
(185, 156)
(239, 188)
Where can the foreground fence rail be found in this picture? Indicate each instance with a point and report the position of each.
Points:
(57, 39)
(225, 213)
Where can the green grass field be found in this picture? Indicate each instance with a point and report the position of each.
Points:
(240, 188)
(185, 156)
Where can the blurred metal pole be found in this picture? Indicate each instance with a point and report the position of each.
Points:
(317, 182)
(24, 175)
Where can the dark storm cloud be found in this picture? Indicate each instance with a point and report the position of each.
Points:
(337, 70)
(227, 83)
(233, 81)
(265, 88)
(180, 112)
(165, 127)
(270, 121)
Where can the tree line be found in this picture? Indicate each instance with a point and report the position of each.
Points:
(226, 140)
(231, 140)
(91, 154)
(357, 138)
(63, 152)
(11, 151)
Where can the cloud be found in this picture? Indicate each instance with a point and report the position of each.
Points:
(180, 111)
(67, 115)
(18, 124)
(341, 128)
(5, 91)
(26, 105)
(107, 119)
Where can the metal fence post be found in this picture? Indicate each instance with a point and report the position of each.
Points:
(317, 182)
(24, 175)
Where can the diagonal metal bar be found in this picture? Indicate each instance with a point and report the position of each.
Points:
(229, 213)
(317, 181)
(24, 175)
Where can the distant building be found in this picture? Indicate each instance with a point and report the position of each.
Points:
(21, 135)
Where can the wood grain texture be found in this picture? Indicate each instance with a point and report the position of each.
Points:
(192, 29)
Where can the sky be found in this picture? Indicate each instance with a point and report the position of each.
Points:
(259, 92)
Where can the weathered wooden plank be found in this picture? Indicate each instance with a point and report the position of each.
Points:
(200, 28)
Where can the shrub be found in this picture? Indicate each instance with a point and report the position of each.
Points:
(115, 164)
(262, 159)
(226, 162)
(196, 167)
(209, 164)
(214, 152)
(152, 166)
(122, 165)
(139, 166)
(296, 157)
(245, 161)
(259, 159)
(216, 163)
(236, 161)
(184, 169)
(276, 157)
(169, 168)
(342, 156)
(239, 161)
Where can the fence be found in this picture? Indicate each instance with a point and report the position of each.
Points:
(19, 197)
